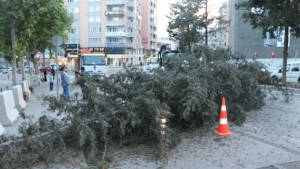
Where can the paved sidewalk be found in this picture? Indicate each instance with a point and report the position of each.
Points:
(34, 106)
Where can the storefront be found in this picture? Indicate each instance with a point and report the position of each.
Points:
(117, 60)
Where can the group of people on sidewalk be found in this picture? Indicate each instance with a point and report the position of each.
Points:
(65, 82)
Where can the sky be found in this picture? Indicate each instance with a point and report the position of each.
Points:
(163, 10)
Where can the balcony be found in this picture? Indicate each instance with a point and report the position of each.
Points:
(130, 4)
(131, 45)
(131, 14)
(115, 13)
(155, 32)
(118, 34)
(131, 24)
(152, 47)
(115, 44)
(139, 27)
(115, 2)
(115, 23)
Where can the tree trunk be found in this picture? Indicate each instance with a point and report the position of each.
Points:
(44, 60)
(23, 70)
(14, 53)
(29, 65)
(206, 24)
(285, 54)
(34, 64)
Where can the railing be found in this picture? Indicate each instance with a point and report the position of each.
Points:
(114, 13)
(131, 24)
(131, 14)
(115, 23)
(114, 2)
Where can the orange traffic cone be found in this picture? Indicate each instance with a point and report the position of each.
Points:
(223, 123)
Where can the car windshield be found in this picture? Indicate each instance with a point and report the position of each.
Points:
(93, 60)
(153, 61)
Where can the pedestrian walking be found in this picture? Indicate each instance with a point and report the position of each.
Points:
(45, 75)
(53, 72)
(95, 71)
(83, 74)
(51, 81)
(65, 82)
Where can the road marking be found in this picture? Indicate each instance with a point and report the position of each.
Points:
(292, 139)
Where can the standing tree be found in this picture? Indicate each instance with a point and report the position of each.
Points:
(10, 18)
(189, 23)
(271, 16)
(183, 24)
(51, 18)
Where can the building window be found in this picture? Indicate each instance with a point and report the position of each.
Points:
(94, 19)
(114, 40)
(91, 9)
(91, 19)
(94, 29)
(97, 8)
(97, 19)
(73, 9)
(94, 40)
(94, 8)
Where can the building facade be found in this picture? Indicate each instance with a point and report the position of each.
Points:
(149, 27)
(171, 45)
(243, 39)
(113, 24)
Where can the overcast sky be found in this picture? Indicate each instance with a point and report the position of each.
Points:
(163, 10)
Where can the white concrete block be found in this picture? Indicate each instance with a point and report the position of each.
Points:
(25, 87)
(3, 76)
(19, 76)
(27, 81)
(18, 96)
(8, 111)
(2, 130)
(35, 80)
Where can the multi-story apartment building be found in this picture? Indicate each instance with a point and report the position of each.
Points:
(149, 26)
(113, 24)
(243, 39)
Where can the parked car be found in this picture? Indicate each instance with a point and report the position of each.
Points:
(292, 72)
(272, 69)
(148, 69)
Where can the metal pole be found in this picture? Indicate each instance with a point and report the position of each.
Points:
(57, 66)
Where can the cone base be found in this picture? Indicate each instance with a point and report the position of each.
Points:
(223, 134)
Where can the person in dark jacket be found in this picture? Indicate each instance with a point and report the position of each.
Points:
(65, 82)
(82, 83)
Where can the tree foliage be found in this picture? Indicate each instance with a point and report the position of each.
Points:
(126, 108)
(27, 26)
(189, 22)
(273, 15)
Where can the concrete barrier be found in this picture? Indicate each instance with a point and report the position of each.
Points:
(28, 84)
(19, 76)
(35, 80)
(18, 96)
(8, 111)
(25, 87)
(2, 130)
(3, 76)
